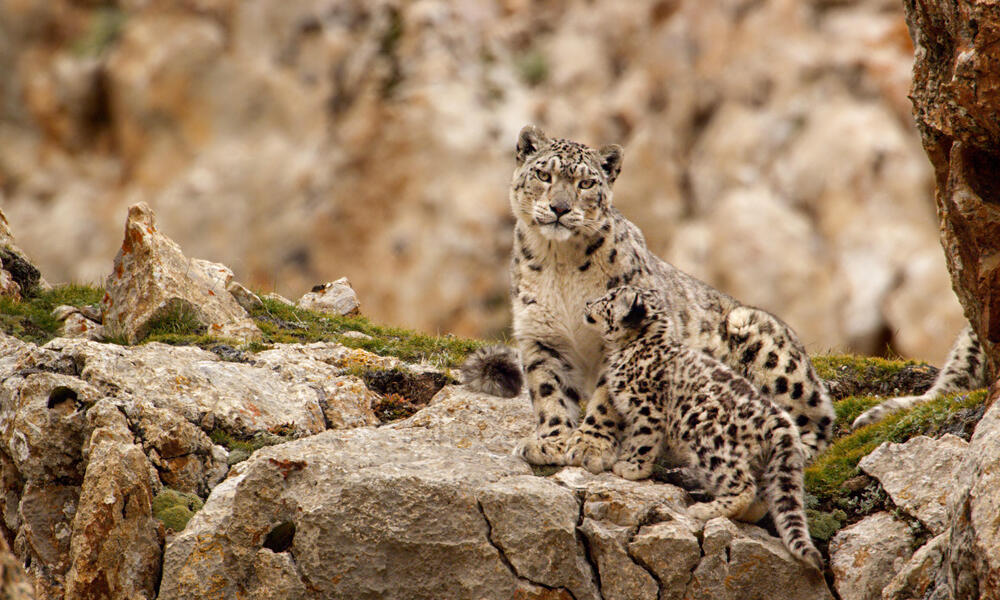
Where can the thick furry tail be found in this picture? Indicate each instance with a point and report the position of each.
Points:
(963, 370)
(494, 370)
(784, 489)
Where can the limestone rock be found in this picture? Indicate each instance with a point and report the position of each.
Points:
(917, 475)
(152, 279)
(76, 323)
(671, 552)
(917, 576)
(533, 522)
(621, 578)
(116, 547)
(865, 556)
(336, 298)
(972, 565)
(955, 84)
(244, 297)
(374, 528)
(739, 557)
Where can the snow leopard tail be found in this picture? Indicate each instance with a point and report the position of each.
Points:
(963, 370)
(494, 370)
(783, 489)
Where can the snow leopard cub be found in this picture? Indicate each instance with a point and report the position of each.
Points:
(707, 417)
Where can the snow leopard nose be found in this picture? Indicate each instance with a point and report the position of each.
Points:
(559, 204)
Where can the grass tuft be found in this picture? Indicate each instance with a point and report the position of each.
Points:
(31, 318)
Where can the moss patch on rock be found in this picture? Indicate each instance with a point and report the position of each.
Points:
(240, 448)
(175, 508)
(848, 375)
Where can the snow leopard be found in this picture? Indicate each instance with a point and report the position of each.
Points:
(571, 245)
(700, 412)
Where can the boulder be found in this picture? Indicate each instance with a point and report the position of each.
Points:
(18, 276)
(77, 323)
(865, 556)
(14, 582)
(971, 568)
(915, 475)
(335, 298)
(116, 547)
(153, 281)
(955, 100)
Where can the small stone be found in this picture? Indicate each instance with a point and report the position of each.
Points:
(918, 574)
(278, 298)
(337, 298)
(244, 297)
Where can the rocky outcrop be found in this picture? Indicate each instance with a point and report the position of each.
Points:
(956, 97)
(375, 528)
(913, 474)
(372, 139)
(153, 282)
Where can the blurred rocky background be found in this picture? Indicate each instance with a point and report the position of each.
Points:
(770, 147)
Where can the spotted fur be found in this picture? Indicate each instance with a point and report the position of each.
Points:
(494, 370)
(571, 245)
(706, 416)
(964, 369)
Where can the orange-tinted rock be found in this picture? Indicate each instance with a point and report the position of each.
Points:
(956, 98)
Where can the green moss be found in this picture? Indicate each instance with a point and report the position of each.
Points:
(241, 448)
(281, 323)
(822, 525)
(830, 366)
(175, 508)
(826, 476)
(31, 318)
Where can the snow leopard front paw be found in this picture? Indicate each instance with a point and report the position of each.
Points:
(632, 471)
(543, 451)
(583, 449)
(880, 411)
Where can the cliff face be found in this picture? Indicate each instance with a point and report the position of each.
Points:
(769, 146)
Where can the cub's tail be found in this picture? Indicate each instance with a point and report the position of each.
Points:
(783, 489)
(494, 370)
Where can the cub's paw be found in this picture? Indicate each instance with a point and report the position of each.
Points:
(631, 470)
(543, 451)
(590, 452)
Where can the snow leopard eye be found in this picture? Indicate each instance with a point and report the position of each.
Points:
(586, 184)
(543, 176)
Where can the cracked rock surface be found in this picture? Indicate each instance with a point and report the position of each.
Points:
(436, 507)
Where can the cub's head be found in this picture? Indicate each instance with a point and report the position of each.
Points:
(624, 312)
(561, 188)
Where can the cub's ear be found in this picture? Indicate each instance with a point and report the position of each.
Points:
(529, 141)
(636, 313)
(611, 161)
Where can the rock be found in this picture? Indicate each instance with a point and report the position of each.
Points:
(739, 557)
(621, 578)
(14, 582)
(914, 475)
(533, 522)
(335, 298)
(244, 297)
(955, 80)
(116, 547)
(374, 528)
(279, 298)
(153, 280)
(917, 576)
(670, 550)
(76, 323)
(865, 556)
(971, 568)
(18, 276)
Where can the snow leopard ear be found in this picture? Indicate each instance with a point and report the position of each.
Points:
(636, 313)
(529, 142)
(611, 161)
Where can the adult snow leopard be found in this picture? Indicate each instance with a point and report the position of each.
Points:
(570, 246)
